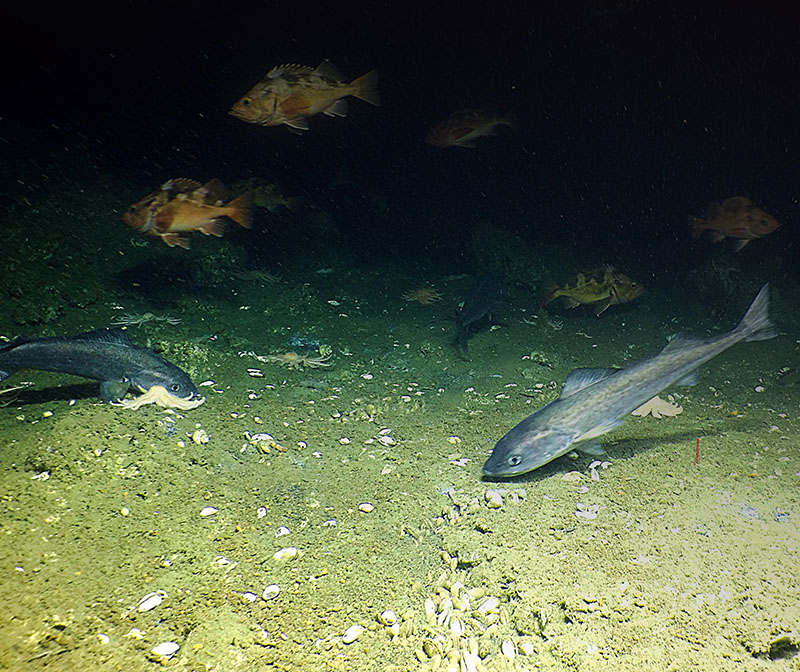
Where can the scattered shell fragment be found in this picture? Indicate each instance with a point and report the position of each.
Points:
(453, 439)
(271, 591)
(572, 476)
(165, 650)
(387, 617)
(508, 649)
(288, 553)
(490, 604)
(352, 633)
(249, 597)
(151, 600)
(588, 512)
(366, 507)
(207, 511)
(282, 531)
(200, 436)
(494, 499)
(103, 638)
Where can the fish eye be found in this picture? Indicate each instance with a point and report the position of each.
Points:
(245, 102)
(514, 460)
(174, 387)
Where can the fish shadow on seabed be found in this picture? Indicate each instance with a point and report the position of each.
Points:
(53, 393)
(619, 450)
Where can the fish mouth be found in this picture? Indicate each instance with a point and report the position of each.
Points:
(191, 396)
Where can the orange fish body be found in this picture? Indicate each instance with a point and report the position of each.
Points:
(182, 206)
(461, 129)
(736, 218)
(599, 289)
(289, 94)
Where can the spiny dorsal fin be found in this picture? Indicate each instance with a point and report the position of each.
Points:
(580, 378)
(329, 71)
(288, 69)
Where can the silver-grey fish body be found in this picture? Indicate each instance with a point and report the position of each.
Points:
(594, 401)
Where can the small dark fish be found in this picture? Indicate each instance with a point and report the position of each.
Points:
(594, 401)
(478, 304)
(106, 355)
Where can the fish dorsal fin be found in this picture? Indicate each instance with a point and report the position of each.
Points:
(105, 336)
(288, 69)
(180, 185)
(680, 341)
(212, 191)
(327, 70)
(737, 203)
(581, 378)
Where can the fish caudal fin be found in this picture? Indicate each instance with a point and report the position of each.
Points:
(240, 210)
(366, 88)
(698, 226)
(756, 325)
(551, 294)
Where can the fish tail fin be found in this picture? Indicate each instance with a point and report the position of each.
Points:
(552, 292)
(366, 88)
(511, 120)
(756, 325)
(5, 369)
(698, 226)
(294, 204)
(241, 210)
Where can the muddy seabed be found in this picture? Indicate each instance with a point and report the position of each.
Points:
(374, 478)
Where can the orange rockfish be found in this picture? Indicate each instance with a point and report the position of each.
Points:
(182, 206)
(599, 289)
(461, 129)
(737, 218)
(289, 94)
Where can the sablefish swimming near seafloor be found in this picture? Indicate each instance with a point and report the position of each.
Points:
(594, 401)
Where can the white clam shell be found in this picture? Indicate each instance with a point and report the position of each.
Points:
(352, 633)
(165, 649)
(151, 600)
(271, 591)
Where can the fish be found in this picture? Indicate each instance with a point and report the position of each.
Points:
(181, 206)
(106, 355)
(479, 302)
(594, 401)
(290, 94)
(268, 195)
(461, 129)
(599, 288)
(737, 218)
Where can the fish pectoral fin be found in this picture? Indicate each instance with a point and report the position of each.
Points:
(112, 390)
(297, 125)
(591, 448)
(739, 244)
(599, 307)
(175, 240)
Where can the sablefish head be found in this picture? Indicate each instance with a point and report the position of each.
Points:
(526, 448)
